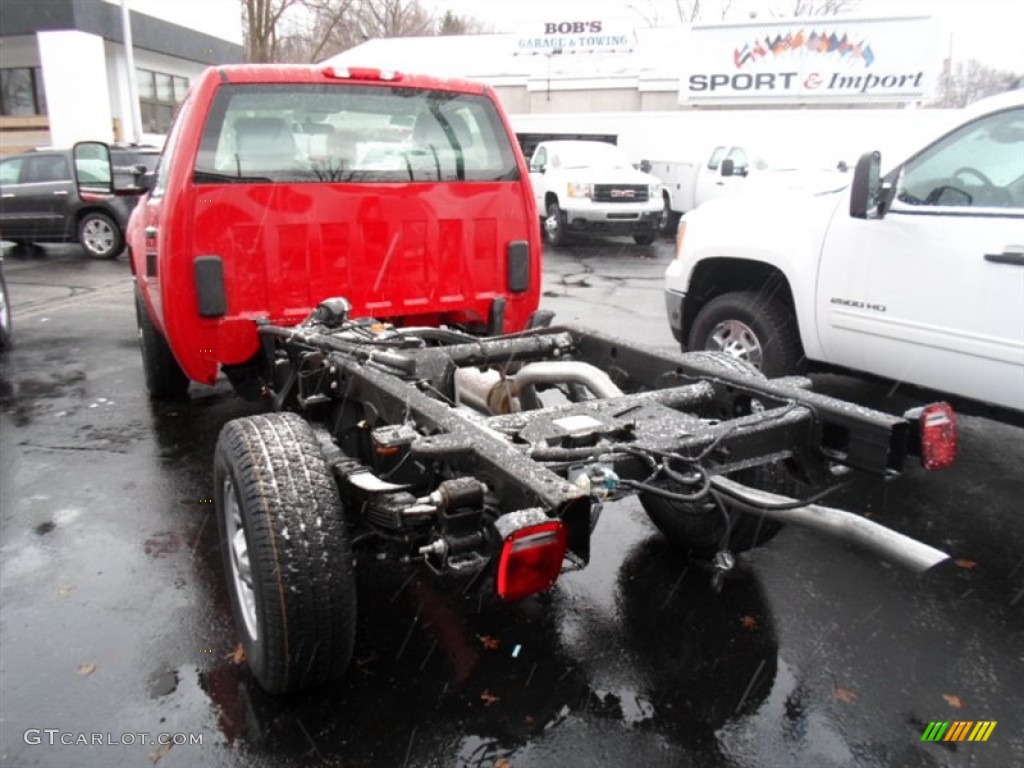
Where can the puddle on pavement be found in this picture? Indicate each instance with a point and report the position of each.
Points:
(163, 684)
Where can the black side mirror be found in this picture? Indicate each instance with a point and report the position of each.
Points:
(645, 166)
(728, 167)
(865, 189)
(93, 169)
(538, 168)
(146, 180)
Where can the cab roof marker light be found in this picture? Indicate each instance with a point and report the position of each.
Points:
(362, 73)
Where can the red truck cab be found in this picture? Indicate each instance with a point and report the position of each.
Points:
(281, 186)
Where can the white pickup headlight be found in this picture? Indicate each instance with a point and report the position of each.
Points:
(580, 190)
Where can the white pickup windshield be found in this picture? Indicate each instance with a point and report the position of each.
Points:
(352, 133)
(588, 154)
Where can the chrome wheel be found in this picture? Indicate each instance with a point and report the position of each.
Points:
(241, 568)
(98, 236)
(737, 340)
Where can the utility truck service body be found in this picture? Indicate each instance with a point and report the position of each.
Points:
(457, 430)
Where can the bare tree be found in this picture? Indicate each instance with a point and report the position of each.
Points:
(453, 24)
(823, 7)
(261, 20)
(964, 83)
(394, 18)
(312, 30)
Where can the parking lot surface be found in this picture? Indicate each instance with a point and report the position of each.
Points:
(116, 629)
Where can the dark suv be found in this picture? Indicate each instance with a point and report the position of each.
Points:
(40, 203)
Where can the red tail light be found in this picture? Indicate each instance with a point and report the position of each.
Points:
(531, 559)
(938, 436)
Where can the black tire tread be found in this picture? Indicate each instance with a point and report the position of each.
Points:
(165, 379)
(5, 330)
(299, 551)
(559, 237)
(698, 528)
(780, 336)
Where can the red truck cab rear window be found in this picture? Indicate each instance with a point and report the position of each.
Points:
(329, 133)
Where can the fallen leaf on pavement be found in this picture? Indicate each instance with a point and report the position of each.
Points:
(844, 695)
(502, 762)
(237, 656)
(490, 643)
(748, 622)
(86, 669)
(488, 698)
(967, 565)
(953, 700)
(157, 754)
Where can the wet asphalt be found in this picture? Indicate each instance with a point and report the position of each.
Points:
(115, 624)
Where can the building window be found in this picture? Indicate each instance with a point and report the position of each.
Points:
(22, 91)
(159, 95)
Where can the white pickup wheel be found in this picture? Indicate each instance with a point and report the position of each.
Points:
(750, 326)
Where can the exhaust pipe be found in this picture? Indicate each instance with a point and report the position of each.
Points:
(490, 392)
(837, 523)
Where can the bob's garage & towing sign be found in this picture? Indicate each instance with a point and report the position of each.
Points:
(811, 60)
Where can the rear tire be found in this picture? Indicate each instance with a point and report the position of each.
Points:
(287, 554)
(164, 378)
(752, 327)
(698, 527)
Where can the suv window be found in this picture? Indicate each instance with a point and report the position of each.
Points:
(341, 133)
(10, 169)
(980, 164)
(43, 169)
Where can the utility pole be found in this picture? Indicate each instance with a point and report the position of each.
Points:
(133, 89)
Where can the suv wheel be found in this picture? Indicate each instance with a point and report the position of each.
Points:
(100, 236)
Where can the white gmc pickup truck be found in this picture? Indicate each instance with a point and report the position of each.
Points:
(591, 186)
(917, 276)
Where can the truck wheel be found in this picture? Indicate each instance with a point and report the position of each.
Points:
(669, 219)
(164, 378)
(645, 238)
(752, 327)
(100, 236)
(286, 549)
(5, 314)
(554, 225)
(699, 527)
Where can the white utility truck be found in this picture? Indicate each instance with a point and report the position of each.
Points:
(917, 276)
(591, 186)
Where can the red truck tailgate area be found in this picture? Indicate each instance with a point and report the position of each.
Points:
(417, 253)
